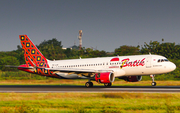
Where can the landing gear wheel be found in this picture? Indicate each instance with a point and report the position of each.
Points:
(89, 84)
(107, 84)
(153, 83)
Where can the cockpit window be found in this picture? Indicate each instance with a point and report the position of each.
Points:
(163, 60)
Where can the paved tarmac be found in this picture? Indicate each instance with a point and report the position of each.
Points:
(60, 88)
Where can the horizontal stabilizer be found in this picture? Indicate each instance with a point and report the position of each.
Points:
(19, 67)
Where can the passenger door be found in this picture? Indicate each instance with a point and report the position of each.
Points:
(148, 62)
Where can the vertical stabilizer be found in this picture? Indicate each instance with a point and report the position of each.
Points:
(33, 57)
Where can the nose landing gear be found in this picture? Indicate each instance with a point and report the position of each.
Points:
(153, 83)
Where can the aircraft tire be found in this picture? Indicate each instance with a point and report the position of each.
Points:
(89, 84)
(107, 84)
(153, 83)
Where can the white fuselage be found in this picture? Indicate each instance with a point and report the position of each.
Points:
(120, 65)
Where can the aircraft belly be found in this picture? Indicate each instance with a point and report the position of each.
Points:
(70, 76)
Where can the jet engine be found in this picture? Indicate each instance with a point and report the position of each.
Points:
(106, 77)
(131, 78)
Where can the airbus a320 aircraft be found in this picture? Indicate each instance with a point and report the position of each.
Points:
(102, 70)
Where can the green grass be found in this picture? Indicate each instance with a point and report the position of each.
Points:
(90, 102)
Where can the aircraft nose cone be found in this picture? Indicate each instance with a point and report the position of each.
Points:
(173, 66)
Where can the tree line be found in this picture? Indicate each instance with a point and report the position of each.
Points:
(52, 49)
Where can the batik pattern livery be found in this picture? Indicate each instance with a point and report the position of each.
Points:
(32, 55)
(34, 58)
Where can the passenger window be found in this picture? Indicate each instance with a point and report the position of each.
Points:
(159, 60)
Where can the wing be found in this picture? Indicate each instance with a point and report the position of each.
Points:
(67, 70)
(79, 71)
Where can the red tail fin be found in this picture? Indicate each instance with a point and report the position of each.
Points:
(32, 55)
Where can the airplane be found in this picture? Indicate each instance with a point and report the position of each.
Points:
(102, 70)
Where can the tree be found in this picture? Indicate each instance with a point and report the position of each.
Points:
(52, 49)
(9, 60)
(68, 52)
(20, 54)
(152, 47)
(169, 50)
(127, 50)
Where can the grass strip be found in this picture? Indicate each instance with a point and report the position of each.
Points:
(89, 102)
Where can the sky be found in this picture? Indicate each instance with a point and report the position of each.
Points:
(106, 24)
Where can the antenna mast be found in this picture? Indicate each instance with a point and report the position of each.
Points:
(80, 39)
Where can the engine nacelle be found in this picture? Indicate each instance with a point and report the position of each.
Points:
(106, 77)
(132, 78)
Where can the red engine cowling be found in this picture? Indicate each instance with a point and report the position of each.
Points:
(106, 77)
(133, 78)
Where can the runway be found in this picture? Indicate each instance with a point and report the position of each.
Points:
(60, 88)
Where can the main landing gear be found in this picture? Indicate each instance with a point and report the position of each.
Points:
(107, 84)
(153, 83)
(89, 84)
